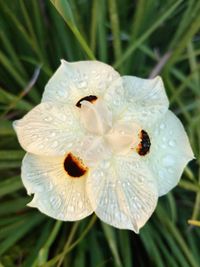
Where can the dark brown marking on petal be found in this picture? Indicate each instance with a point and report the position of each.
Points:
(74, 166)
(90, 98)
(145, 144)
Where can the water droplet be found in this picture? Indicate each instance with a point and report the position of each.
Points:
(63, 84)
(170, 170)
(39, 188)
(52, 134)
(48, 118)
(162, 126)
(63, 152)
(55, 202)
(80, 204)
(62, 93)
(116, 102)
(106, 164)
(54, 144)
(161, 174)
(110, 78)
(140, 179)
(69, 145)
(168, 160)
(113, 185)
(163, 145)
(124, 184)
(62, 117)
(82, 84)
(172, 143)
(137, 215)
(156, 132)
(71, 208)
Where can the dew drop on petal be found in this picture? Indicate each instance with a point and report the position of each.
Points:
(69, 145)
(55, 202)
(52, 134)
(48, 118)
(71, 208)
(54, 144)
(106, 164)
(170, 170)
(80, 204)
(172, 143)
(168, 160)
(124, 184)
(62, 117)
(140, 179)
(62, 83)
(161, 174)
(162, 126)
(41, 146)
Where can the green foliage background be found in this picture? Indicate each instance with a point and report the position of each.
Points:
(142, 38)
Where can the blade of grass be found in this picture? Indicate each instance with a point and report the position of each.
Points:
(64, 9)
(68, 247)
(110, 236)
(44, 251)
(27, 226)
(93, 28)
(141, 39)
(115, 28)
(10, 185)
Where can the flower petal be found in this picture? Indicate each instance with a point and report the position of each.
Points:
(49, 129)
(123, 137)
(137, 100)
(122, 192)
(73, 81)
(169, 153)
(96, 118)
(92, 149)
(55, 193)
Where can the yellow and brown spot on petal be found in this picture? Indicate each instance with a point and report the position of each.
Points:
(74, 166)
(90, 98)
(144, 146)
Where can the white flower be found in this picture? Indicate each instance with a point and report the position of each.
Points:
(101, 143)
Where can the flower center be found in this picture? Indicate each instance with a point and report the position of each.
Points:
(108, 134)
(74, 166)
(96, 118)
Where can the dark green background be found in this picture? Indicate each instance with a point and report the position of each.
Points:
(141, 38)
